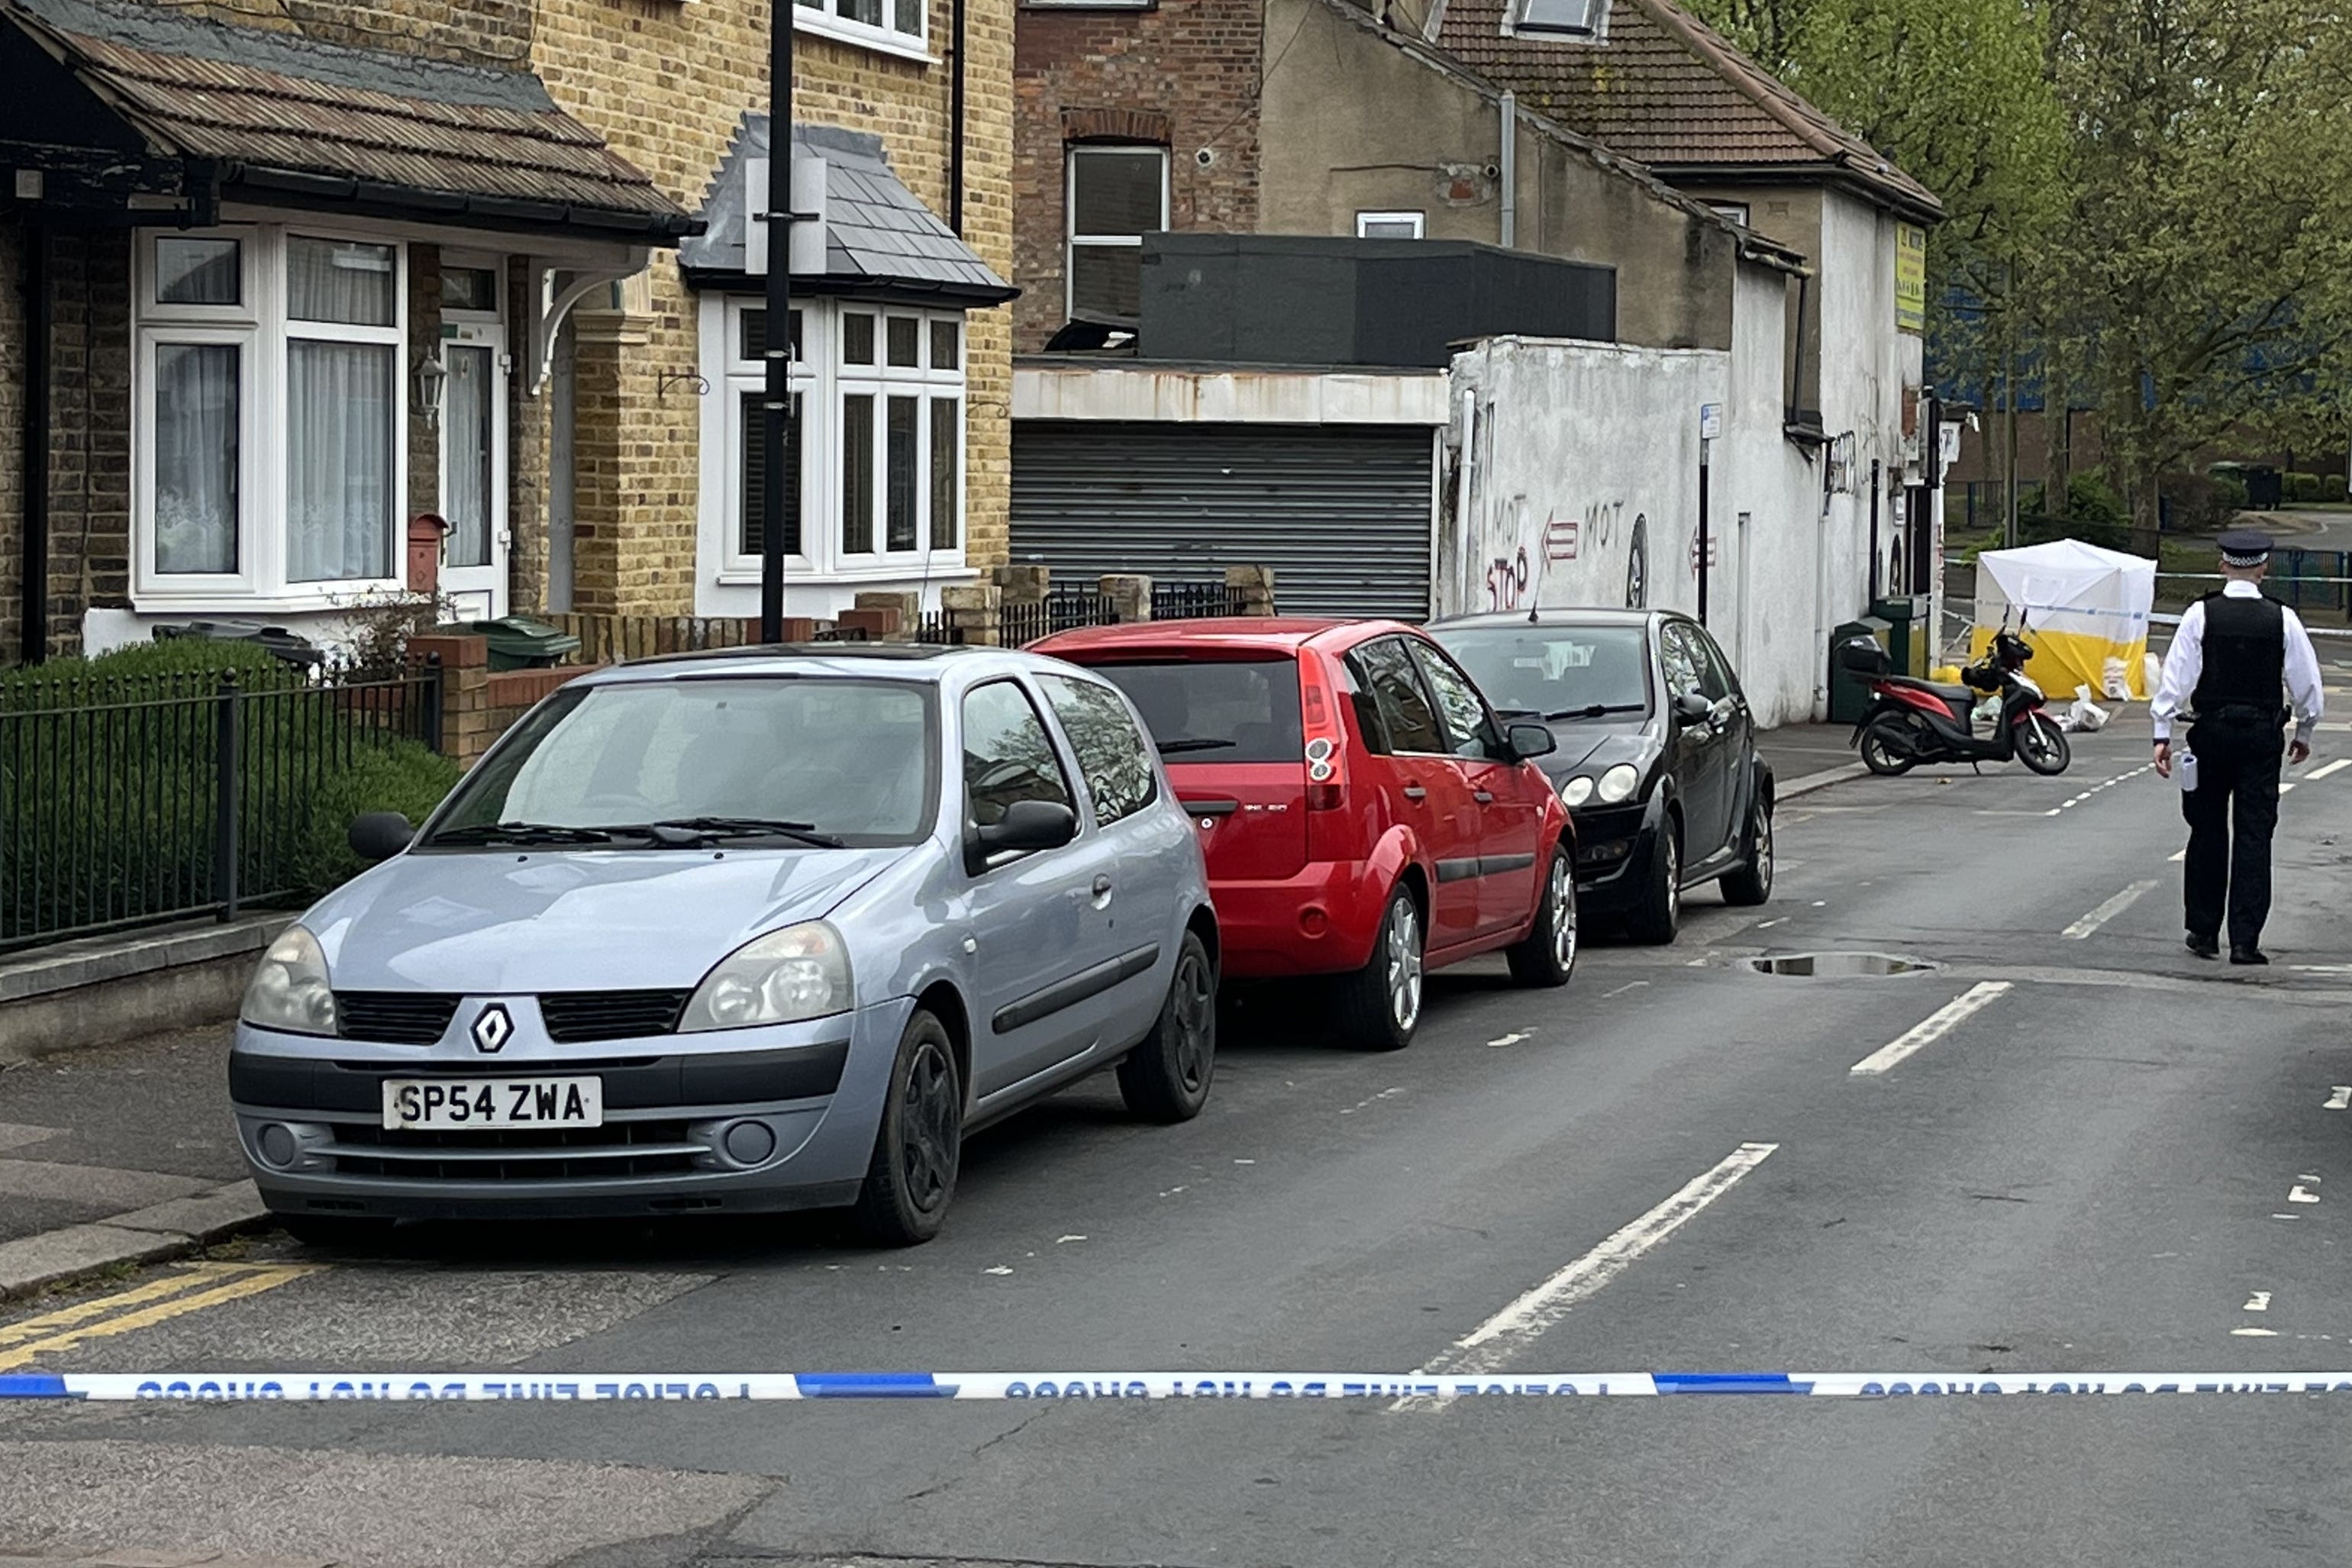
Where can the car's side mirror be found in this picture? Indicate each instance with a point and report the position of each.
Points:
(381, 834)
(1527, 742)
(1027, 825)
(1693, 708)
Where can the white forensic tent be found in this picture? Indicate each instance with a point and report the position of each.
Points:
(2084, 609)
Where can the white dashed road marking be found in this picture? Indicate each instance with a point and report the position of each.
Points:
(2108, 911)
(1937, 1024)
(1493, 1343)
(2329, 770)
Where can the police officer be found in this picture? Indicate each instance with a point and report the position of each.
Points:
(2235, 652)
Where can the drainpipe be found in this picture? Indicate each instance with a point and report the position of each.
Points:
(1464, 493)
(33, 619)
(955, 128)
(1510, 163)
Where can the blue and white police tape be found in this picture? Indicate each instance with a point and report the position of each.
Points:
(232, 1386)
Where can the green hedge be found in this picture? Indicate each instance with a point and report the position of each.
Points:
(109, 779)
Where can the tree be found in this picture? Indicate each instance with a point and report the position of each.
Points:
(1956, 93)
(2148, 196)
(2207, 238)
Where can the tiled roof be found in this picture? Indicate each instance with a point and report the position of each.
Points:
(1662, 86)
(269, 104)
(878, 233)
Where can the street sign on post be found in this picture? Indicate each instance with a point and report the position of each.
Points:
(1710, 428)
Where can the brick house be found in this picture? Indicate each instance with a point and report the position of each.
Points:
(1316, 117)
(292, 278)
(1347, 152)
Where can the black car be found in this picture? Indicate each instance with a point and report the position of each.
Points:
(1657, 759)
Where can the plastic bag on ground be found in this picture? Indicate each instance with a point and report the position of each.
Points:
(2114, 682)
(2086, 717)
(2151, 672)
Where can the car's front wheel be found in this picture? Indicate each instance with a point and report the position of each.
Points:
(1166, 1079)
(1380, 1004)
(1658, 914)
(1752, 883)
(919, 1148)
(1547, 955)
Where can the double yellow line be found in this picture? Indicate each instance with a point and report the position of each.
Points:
(191, 1290)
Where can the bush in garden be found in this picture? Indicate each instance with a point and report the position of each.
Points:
(110, 782)
(2202, 503)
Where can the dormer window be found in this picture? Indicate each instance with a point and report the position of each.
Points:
(1566, 18)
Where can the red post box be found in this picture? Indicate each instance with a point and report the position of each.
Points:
(425, 532)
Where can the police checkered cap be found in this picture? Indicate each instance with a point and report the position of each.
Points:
(2244, 547)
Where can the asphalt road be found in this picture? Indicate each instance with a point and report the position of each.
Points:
(2104, 1167)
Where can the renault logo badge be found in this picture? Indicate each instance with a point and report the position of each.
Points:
(492, 1028)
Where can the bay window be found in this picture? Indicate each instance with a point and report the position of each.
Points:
(270, 423)
(874, 481)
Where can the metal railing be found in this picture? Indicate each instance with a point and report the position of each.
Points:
(128, 800)
(2316, 584)
(1061, 610)
(1194, 600)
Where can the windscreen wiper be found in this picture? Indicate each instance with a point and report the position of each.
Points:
(1195, 743)
(703, 828)
(1599, 710)
(519, 832)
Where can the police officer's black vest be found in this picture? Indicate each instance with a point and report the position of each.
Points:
(2245, 655)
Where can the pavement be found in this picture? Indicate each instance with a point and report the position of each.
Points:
(2121, 1160)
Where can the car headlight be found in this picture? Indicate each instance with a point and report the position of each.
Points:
(291, 990)
(784, 977)
(1618, 783)
(1576, 791)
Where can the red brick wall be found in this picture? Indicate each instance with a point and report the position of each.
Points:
(90, 430)
(1186, 70)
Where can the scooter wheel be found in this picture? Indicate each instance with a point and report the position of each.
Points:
(2042, 746)
(1885, 748)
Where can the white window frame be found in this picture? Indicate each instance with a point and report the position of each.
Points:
(1514, 24)
(259, 325)
(823, 382)
(1073, 239)
(825, 21)
(1364, 220)
(479, 330)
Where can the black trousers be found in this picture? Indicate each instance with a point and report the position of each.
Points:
(2231, 814)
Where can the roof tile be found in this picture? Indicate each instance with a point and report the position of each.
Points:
(1662, 86)
(301, 106)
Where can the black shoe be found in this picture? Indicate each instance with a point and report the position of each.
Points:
(2204, 946)
(2247, 954)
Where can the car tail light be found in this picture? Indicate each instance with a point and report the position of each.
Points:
(1326, 735)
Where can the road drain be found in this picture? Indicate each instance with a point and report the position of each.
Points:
(1839, 966)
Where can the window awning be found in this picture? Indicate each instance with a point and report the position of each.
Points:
(860, 230)
(132, 100)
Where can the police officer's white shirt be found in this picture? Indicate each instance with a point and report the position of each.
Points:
(2186, 662)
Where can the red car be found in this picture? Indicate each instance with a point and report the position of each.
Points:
(1363, 813)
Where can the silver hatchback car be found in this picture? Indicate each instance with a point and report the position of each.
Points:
(753, 931)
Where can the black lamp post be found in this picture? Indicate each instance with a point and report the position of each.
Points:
(776, 410)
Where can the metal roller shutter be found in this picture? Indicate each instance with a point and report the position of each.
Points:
(1340, 513)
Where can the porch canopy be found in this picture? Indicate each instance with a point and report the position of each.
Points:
(139, 111)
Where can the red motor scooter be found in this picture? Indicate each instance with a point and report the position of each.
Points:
(1911, 723)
